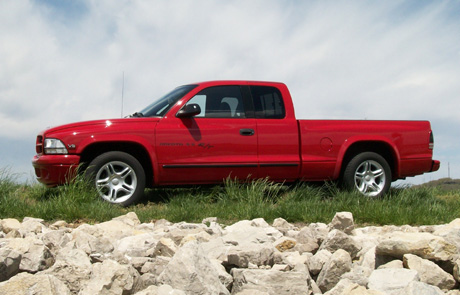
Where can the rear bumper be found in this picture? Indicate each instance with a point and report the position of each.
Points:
(53, 170)
(435, 164)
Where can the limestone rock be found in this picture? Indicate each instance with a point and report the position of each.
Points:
(35, 255)
(392, 264)
(307, 240)
(345, 287)
(337, 239)
(420, 288)
(429, 272)
(9, 224)
(392, 280)
(456, 271)
(56, 239)
(119, 227)
(137, 245)
(165, 247)
(424, 245)
(27, 284)
(225, 278)
(342, 221)
(32, 227)
(9, 263)
(161, 290)
(191, 270)
(72, 267)
(316, 263)
(330, 275)
(156, 266)
(250, 232)
(110, 277)
(256, 254)
(270, 281)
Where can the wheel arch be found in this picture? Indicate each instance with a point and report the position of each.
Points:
(382, 148)
(134, 149)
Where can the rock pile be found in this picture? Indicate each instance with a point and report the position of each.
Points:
(123, 256)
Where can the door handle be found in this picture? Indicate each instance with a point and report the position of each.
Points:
(247, 132)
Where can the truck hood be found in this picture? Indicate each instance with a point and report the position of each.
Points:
(100, 123)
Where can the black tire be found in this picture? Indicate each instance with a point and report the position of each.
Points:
(118, 177)
(368, 173)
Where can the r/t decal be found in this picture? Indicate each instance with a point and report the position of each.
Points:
(202, 145)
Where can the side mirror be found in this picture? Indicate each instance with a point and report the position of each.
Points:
(189, 110)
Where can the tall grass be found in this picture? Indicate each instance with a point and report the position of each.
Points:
(230, 202)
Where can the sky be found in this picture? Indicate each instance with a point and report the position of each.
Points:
(64, 61)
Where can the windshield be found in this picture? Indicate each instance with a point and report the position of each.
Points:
(161, 106)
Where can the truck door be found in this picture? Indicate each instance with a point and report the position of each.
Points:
(278, 138)
(219, 142)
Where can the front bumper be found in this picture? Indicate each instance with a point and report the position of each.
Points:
(53, 170)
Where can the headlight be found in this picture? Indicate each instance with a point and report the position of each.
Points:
(54, 146)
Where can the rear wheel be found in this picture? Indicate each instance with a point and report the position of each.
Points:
(369, 173)
(118, 177)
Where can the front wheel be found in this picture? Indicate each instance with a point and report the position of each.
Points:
(118, 177)
(369, 173)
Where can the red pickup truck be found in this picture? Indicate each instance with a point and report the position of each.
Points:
(205, 132)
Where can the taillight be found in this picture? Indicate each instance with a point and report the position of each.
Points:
(431, 145)
(39, 144)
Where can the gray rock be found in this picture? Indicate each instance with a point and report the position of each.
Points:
(330, 275)
(342, 221)
(429, 272)
(270, 281)
(191, 270)
(392, 280)
(28, 284)
(9, 263)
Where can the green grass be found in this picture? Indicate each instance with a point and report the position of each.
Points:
(304, 203)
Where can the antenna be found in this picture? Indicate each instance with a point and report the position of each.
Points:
(122, 93)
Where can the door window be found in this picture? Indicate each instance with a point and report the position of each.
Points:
(220, 102)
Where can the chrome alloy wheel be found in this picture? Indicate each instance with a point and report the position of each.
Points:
(116, 181)
(370, 178)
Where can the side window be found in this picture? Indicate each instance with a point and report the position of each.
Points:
(268, 103)
(220, 102)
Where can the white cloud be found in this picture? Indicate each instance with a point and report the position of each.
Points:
(350, 59)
